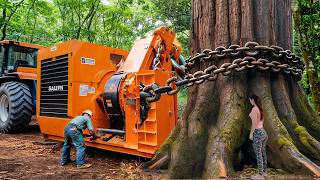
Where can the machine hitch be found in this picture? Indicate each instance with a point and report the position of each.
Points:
(113, 132)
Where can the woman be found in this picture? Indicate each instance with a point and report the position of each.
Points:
(259, 136)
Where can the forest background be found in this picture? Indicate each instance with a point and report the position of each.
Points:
(118, 23)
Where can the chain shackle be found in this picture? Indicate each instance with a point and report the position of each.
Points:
(154, 96)
(170, 81)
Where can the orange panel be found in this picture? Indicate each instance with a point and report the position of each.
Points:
(24, 44)
(90, 74)
(27, 73)
(136, 56)
(108, 146)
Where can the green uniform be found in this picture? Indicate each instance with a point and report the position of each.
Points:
(73, 135)
(82, 122)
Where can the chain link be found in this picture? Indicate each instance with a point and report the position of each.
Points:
(251, 55)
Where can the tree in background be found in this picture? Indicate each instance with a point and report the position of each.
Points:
(117, 23)
(8, 10)
(34, 21)
(123, 21)
(307, 26)
(76, 17)
(176, 14)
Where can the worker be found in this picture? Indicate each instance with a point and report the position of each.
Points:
(73, 135)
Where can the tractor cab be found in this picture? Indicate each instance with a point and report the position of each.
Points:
(18, 61)
(17, 58)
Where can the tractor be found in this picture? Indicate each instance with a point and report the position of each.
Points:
(18, 76)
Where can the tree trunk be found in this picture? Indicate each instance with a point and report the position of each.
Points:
(3, 25)
(308, 56)
(211, 138)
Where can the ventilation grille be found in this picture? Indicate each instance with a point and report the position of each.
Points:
(54, 87)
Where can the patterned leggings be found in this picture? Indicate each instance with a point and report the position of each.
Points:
(260, 138)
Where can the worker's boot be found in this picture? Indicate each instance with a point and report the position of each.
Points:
(66, 163)
(84, 166)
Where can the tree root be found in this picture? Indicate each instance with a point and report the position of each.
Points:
(312, 167)
(162, 157)
(217, 160)
(229, 132)
(193, 138)
(301, 138)
(159, 162)
(307, 117)
(284, 154)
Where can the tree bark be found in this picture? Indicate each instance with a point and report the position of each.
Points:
(309, 58)
(211, 137)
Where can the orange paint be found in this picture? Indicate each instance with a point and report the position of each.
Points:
(86, 81)
(23, 44)
(27, 73)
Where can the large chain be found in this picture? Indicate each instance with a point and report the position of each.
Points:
(250, 56)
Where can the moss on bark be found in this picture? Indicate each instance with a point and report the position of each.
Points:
(309, 58)
(306, 116)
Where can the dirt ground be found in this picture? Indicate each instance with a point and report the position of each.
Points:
(25, 156)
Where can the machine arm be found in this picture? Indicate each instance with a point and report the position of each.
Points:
(153, 57)
(153, 53)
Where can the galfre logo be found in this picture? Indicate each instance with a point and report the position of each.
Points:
(55, 88)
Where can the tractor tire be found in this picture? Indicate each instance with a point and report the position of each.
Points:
(16, 107)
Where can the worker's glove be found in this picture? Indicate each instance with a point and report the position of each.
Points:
(93, 135)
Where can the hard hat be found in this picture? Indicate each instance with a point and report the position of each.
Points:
(89, 112)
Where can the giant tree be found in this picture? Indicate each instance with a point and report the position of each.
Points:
(211, 138)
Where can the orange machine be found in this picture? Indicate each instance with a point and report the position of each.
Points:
(74, 76)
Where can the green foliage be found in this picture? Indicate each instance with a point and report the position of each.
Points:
(310, 26)
(177, 15)
(310, 21)
(116, 23)
(76, 18)
(122, 22)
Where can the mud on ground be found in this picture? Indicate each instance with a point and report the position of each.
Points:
(24, 156)
(29, 156)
